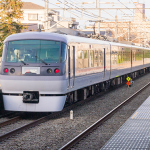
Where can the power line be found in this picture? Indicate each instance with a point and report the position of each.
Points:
(77, 10)
(68, 6)
(128, 8)
(83, 10)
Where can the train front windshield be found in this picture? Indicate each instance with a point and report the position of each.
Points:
(33, 51)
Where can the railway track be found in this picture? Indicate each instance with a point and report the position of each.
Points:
(90, 129)
(12, 120)
(42, 119)
(45, 118)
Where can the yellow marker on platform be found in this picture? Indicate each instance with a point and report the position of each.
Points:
(128, 78)
(134, 115)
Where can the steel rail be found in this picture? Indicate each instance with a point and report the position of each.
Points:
(45, 118)
(12, 120)
(86, 132)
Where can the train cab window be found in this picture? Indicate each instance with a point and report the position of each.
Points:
(63, 52)
(33, 51)
(50, 51)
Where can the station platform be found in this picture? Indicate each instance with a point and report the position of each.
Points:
(134, 134)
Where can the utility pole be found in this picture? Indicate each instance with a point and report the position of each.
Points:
(96, 4)
(99, 17)
(129, 31)
(94, 23)
(64, 10)
(116, 25)
(46, 14)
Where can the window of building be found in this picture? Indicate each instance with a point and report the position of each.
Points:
(33, 17)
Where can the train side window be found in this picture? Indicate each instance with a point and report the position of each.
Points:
(63, 51)
(80, 60)
(100, 58)
(95, 58)
(146, 56)
(91, 59)
(85, 59)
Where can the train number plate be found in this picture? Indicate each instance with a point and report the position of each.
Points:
(35, 70)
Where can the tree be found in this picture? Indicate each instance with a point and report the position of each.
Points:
(10, 17)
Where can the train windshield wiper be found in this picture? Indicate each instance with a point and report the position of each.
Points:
(41, 60)
(21, 60)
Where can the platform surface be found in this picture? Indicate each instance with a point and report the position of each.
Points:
(134, 134)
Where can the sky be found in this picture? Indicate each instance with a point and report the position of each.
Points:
(105, 15)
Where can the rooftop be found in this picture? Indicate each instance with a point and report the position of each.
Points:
(29, 5)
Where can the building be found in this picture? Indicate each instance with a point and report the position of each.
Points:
(136, 31)
(35, 15)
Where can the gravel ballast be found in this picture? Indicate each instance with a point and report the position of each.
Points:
(54, 133)
(103, 133)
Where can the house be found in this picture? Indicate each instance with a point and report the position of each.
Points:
(34, 15)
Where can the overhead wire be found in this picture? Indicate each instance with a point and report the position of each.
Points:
(60, 7)
(128, 8)
(132, 12)
(97, 15)
(77, 10)
(66, 8)
(85, 11)
(145, 24)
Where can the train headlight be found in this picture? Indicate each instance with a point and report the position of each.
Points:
(6, 70)
(49, 70)
(56, 70)
(12, 70)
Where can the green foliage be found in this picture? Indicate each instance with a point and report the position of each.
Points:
(10, 17)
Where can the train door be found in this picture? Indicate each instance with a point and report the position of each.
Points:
(100, 60)
(107, 61)
(71, 66)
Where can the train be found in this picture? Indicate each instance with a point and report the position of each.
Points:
(43, 72)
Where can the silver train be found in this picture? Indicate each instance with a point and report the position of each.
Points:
(41, 72)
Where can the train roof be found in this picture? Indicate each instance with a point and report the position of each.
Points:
(36, 36)
(63, 38)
